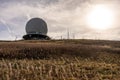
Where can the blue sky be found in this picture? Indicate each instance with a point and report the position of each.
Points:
(60, 15)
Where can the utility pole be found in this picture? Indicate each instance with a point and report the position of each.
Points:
(73, 36)
(61, 37)
(16, 37)
(68, 34)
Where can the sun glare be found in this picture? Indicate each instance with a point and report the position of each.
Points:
(100, 17)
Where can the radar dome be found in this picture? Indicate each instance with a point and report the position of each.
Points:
(36, 26)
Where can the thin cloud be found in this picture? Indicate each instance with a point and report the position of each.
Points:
(59, 15)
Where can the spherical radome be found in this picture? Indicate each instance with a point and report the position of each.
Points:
(36, 26)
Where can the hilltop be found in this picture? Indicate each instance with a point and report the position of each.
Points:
(60, 60)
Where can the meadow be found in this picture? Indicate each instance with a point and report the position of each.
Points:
(60, 60)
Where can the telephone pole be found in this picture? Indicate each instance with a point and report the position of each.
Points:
(68, 34)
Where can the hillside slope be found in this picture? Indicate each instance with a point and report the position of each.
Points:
(60, 60)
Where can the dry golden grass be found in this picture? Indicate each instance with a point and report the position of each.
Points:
(60, 60)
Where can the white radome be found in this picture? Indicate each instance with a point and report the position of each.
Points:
(36, 26)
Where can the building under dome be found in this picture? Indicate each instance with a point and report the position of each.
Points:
(36, 29)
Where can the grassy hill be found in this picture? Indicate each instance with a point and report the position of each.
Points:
(60, 60)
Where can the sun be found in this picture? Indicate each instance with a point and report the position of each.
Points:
(100, 17)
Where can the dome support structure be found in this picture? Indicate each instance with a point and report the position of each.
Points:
(35, 37)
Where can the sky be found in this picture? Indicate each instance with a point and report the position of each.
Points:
(61, 16)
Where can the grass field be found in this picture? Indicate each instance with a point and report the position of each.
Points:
(60, 60)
